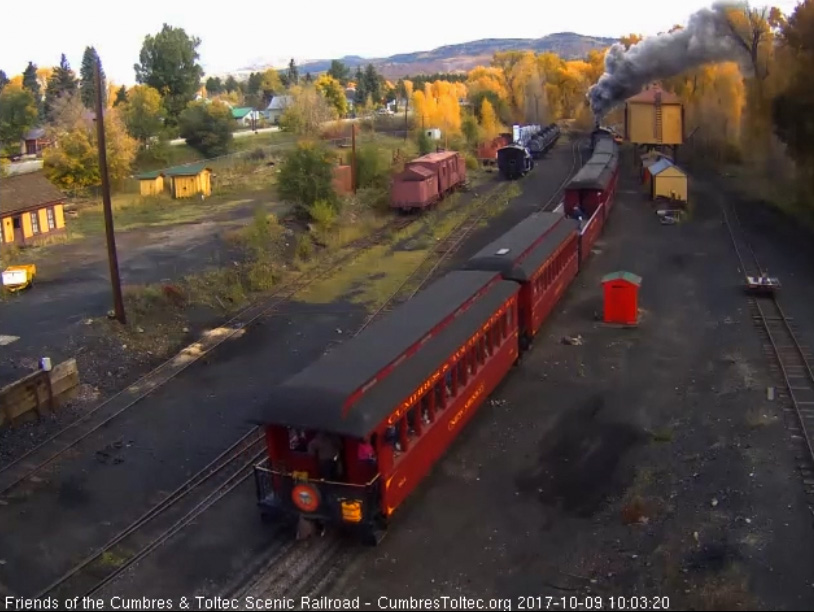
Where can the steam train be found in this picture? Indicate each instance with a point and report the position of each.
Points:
(354, 433)
(531, 143)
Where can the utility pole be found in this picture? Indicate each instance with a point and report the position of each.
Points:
(353, 156)
(406, 106)
(113, 260)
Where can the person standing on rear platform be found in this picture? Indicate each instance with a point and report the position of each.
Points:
(326, 450)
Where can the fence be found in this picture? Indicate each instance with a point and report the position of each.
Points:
(38, 391)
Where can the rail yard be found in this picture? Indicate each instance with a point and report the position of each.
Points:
(503, 359)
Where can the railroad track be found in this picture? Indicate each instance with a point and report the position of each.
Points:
(308, 568)
(439, 254)
(45, 453)
(576, 164)
(161, 522)
(792, 360)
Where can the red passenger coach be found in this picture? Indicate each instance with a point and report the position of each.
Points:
(589, 195)
(350, 436)
(541, 253)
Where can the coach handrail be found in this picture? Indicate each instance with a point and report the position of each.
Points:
(288, 474)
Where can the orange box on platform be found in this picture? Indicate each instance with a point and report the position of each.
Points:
(621, 296)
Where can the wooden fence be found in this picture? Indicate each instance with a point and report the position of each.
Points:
(39, 392)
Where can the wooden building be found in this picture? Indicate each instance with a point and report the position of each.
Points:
(31, 208)
(654, 117)
(667, 181)
(343, 180)
(189, 181)
(621, 298)
(151, 183)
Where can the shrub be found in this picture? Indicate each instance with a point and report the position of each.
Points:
(424, 143)
(324, 214)
(306, 175)
(372, 166)
(471, 161)
(376, 198)
(305, 248)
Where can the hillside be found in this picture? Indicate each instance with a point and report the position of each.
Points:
(451, 58)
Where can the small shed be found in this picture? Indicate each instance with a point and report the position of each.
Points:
(342, 180)
(621, 298)
(191, 180)
(668, 181)
(151, 183)
(433, 133)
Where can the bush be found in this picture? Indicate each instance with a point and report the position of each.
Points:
(324, 214)
(424, 143)
(305, 247)
(372, 166)
(471, 161)
(306, 176)
(376, 198)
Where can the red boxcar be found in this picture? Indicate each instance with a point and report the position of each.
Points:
(386, 404)
(416, 187)
(449, 167)
(542, 254)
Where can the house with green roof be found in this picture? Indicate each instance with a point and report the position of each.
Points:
(245, 115)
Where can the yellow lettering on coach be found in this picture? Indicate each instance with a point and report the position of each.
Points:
(465, 408)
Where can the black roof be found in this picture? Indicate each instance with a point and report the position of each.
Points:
(522, 267)
(310, 403)
(511, 151)
(517, 242)
(597, 172)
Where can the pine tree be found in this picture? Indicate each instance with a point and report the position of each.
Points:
(360, 96)
(32, 84)
(293, 73)
(87, 87)
(373, 86)
(62, 83)
(121, 96)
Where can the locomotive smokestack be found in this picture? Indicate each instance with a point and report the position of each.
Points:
(708, 37)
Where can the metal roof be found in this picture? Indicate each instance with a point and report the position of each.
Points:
(21, 192)
(417, 171)
(189, 170)
(511, 247)
(239, 113)
(659, 166)
(621, 275)
(148, 176)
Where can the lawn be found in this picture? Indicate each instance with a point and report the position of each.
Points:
(134, 211)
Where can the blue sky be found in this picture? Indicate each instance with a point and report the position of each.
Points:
(234, 36)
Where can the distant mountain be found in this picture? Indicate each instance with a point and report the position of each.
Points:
(451, 58)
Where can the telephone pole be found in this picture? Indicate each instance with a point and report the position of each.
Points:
(353, 156)
(113, 260)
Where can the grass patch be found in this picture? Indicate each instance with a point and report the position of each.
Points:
(132, 212)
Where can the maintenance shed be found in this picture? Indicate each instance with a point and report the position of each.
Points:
(191, 180)
(667, 181)
(621, 297)
(151, 183)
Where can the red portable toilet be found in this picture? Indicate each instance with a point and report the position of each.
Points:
(621, 294)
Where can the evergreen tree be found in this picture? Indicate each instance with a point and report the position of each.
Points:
(231, 84)
(121, 96)
(62, 83)
(373, 85)
(87, 87)
(308, 77)
(3, 80)
(339, 71)
(31, 83)
(360, 96)
(293, 73)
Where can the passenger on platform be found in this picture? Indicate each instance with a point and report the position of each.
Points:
(326, 450)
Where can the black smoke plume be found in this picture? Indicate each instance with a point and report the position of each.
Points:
(707, 38)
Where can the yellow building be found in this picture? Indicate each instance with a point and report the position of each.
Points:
(151, 183)
(31, 208)
(654, 117)
(188, 181)
(668, 181)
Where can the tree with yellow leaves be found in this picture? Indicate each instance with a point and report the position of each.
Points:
(333, 92)
(308, 111)
(488, 121)
(74, 162)
(143, 113)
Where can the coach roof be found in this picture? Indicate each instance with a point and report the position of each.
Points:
(311, 403)
(505, 253)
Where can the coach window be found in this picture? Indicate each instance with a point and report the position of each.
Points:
(440, 396)
(461, 367)
(427, 408)
(403, 434)
(509, 313)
